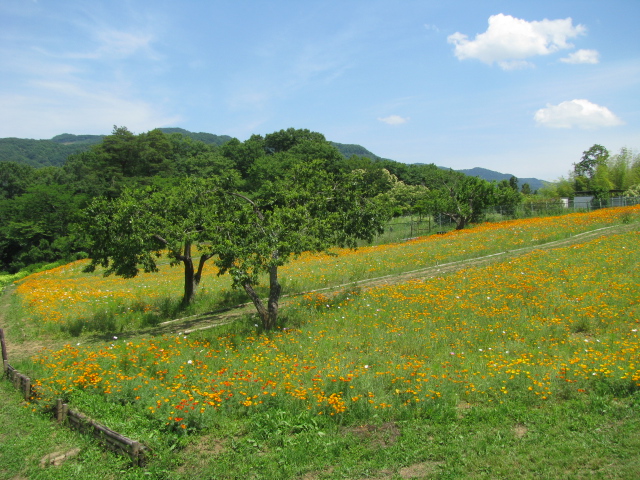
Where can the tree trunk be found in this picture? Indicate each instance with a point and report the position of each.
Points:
(460, 223)
(190, 283)
(257, 302)
(275, 289)
(198, 276)
(269, 314)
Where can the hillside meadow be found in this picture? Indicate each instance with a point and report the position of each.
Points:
(526, 366)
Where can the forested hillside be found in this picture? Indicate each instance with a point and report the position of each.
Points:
(54, 152)
(42, 210)
(490, 175)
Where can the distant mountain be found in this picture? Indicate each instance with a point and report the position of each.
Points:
(40, 153)
(209, 138)
(54, 152)
(71, 139)
(349, 150)
(490, 175)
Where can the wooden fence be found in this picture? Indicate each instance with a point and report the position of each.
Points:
(120, 444)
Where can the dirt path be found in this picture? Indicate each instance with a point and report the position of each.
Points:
(217, 318)
(213, 319)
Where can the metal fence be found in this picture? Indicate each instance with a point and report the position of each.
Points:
(411, 226)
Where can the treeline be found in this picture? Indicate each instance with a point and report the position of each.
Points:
(54, 152)
(40, 208)
(599, 174)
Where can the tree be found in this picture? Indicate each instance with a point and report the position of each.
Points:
(600, 183)
(131, 232)
(586, 168)
(460, 197)
(15, 178)
(506, 196)
(307, 208)
(34, 226)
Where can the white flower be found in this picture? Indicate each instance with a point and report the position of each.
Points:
(366, 366)
(115, 338)
(189, 362)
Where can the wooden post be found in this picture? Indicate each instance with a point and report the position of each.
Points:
(135, 452)
(4, 350)
(59, 410)
(27, 388)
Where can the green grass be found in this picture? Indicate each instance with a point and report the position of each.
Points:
(525, 368)
(27, 437)
(591, 437)
(67, 302)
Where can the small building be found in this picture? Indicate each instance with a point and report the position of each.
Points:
(583, 202)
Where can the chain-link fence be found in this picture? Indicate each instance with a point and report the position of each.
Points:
(411, 226)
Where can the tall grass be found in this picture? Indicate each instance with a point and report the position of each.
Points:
(66, 299)
(452, 375)
(547, 325)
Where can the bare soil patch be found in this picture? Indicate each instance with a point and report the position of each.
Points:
(199, 453)
(420, 470)
(377, 435)
(520, 431)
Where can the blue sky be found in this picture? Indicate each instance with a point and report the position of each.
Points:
(521, 87)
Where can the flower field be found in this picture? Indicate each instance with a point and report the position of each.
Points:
(63, 295)
(546, 326)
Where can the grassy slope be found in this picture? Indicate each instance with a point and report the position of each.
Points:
(591, 436)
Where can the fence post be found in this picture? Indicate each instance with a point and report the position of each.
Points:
(27, 388)
(4, 351)
(58, 409)
(135, 452)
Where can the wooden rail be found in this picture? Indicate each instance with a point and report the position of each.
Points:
(114, 441)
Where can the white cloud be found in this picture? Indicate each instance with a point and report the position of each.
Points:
(394, 120)
(582, 56)
(509, 39)
(576, 113)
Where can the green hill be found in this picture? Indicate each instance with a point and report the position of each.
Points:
(54, 152)
(490, 175)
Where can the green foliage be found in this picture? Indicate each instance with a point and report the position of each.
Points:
(131, 232)
(34, 226)
(460, 198)
(302, 200)
(15, 178)
(586, 167)
(37, 153)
